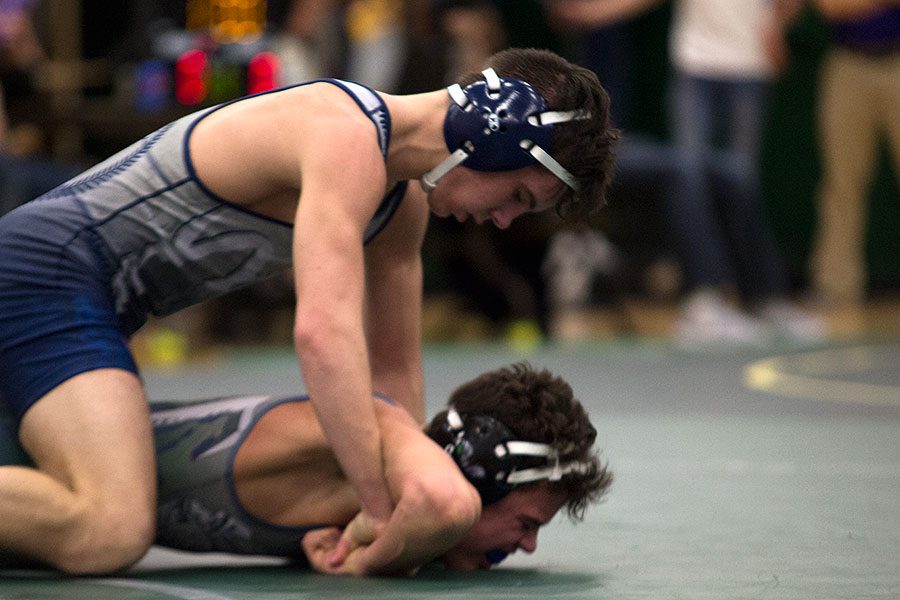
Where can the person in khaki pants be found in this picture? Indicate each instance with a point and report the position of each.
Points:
(859, 101)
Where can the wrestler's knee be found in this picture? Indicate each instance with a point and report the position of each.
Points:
(104, 539)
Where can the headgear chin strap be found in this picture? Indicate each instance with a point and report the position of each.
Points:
(493, 461)
(500, 125)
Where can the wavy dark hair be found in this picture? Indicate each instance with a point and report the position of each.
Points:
(584, 147)
(538, 406)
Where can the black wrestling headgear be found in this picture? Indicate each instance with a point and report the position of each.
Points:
(493, 461)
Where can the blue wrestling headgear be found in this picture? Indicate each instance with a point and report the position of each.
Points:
(493, 461)
(500, 124)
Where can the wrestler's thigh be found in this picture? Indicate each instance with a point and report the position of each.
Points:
(93, 434)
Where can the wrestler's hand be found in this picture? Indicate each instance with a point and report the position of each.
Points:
(361, 531)
(318, 544)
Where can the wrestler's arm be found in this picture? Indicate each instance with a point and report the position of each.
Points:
(340, 190)
(851, 9)
(394, 305)
(597, 13)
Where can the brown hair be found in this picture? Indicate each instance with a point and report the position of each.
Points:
(538, 406)
(583, 147)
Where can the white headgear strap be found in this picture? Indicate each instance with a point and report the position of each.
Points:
(552, 472)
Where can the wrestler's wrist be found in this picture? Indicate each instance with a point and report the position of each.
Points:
(375, 500)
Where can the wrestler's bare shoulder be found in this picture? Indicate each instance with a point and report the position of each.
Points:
(250, 152)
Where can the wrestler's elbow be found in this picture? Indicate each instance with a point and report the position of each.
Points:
(314, 334)
(449, 505)
(459, 513)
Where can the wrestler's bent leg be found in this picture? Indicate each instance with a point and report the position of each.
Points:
(89, 506)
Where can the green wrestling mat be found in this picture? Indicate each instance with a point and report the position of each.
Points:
(751, 474)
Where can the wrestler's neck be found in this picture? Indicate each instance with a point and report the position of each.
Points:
(417, 133)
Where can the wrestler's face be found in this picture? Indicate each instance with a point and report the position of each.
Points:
(497, 197)
(504, 527)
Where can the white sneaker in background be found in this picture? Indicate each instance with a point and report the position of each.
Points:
(573, 260)
(790, 320)
(708, 319)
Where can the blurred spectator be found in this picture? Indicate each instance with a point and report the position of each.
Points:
(376, 43)
(645, 167)
(859, 99)
(359, 40)
(723, 60)
(305, 41)
(19, 44)
(494, 276)
(473, 31)
(22, 177)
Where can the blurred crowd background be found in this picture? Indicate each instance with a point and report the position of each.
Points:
(756, 194)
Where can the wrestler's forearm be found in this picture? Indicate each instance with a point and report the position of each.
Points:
(598, 13)
(393, 308)
(335, 372)
(851, 9)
